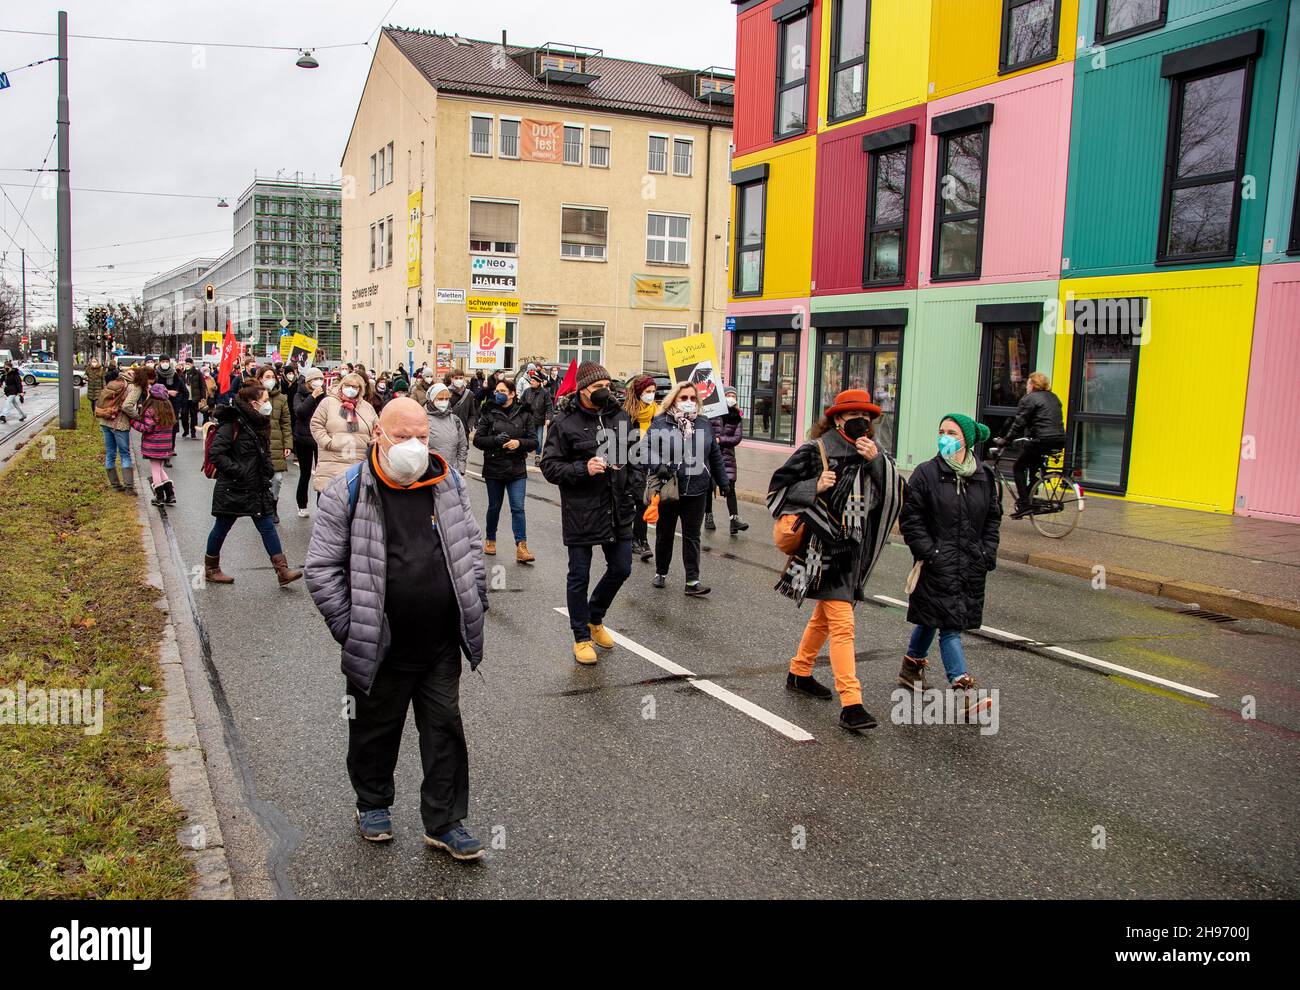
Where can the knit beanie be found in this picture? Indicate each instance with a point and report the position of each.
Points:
(971, 431)
(400, 384)
(641, 383)
(590, 371)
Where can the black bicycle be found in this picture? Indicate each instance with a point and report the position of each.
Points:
(1055, 499)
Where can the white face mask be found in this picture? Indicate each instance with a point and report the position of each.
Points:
(458, 383)
(441, 404)
(268, 383)
(731, 402)
(406, 461)
(265, 408)
(686, 406)
(648, 398)
(349, 392)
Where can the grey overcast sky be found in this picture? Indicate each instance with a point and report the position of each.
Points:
(201, 120)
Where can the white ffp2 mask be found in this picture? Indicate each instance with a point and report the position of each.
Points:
(407, 460)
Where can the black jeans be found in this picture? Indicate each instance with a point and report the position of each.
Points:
(189, 413)
(729, 488)
(375, 736)
(640, 528)
(1028, 460)
(306, 454)
(690, 510)
(618, 566)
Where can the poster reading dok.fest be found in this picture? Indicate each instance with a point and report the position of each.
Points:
(694, 359)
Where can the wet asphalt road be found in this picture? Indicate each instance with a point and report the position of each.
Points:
(580, 795)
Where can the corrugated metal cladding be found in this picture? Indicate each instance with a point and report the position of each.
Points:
(1117, 146)
(1191, 370)
(1286, 151)
(839, 232)
(966, 43)
(1180, 14)
(1027, 167)
(787, 261)
(756, 37)
(1269, 482)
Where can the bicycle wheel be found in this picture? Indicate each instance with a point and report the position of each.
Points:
(1057, 504)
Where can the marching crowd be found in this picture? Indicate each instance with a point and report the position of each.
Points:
(395, 542)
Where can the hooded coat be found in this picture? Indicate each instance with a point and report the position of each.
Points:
(600, 508)
(241, 454)
(337, 446)
(94, 382)
(281, 429)
(447, 436)
(727, 432)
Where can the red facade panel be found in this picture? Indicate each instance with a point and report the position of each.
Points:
(756, 36)
(840, 215)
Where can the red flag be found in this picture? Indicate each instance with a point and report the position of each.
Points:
(228, 349)
(570, 383)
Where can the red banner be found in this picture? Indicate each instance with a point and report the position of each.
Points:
(229, 351)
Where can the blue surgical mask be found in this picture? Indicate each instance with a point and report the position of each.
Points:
(499, 398)
(948, 445)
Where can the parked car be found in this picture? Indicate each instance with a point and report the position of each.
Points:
(35, 372)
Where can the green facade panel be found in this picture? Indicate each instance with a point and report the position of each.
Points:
(1119, 130)
(1286, 153)
(1179, 14)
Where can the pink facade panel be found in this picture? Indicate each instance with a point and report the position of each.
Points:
(1268, 482)
(1026, 167)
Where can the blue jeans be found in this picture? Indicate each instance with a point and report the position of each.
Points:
(618, 567)
(954, 660)
(541, 429)
(222, 525)
(496, 491)
(117, 444)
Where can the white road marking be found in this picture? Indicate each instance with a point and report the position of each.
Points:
(787, 729)
(1081, 657)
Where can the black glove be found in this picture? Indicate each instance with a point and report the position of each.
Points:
(663, 472)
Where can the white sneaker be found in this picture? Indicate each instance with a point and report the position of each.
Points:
(303, 514)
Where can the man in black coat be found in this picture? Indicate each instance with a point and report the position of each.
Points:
(13, 393)
(1039, 418)
(194, 386)
(588, 457)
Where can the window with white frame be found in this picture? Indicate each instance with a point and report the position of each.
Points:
(388, 163)
(584, 232)
(509, 137)
(683, 155)
(652, 346)
(388, 247)
(374, 167)
(657, 157)
(582, 342)
(512, 334)
(480, 135)
(381, 243)
(600, 147)
(572, 144)
(493, 226)
(374, 240)
(668, 239)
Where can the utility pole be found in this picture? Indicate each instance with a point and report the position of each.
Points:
(24, 252)
(67, 391)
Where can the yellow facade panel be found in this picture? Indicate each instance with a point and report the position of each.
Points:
(788, 235)
(966, 44)
(898, 63)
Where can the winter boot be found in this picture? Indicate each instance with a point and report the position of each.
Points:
(490, 547)
(112, 479)
(522, 556)
(212, 570)
(967, 698)
(912, 674)
(737, 526)
(128, 481)
(600, 636)
(856, 718)
(169, 493)
(282, 572)
(159, 495)
(708, 522)
(585, 653)
(806, 685)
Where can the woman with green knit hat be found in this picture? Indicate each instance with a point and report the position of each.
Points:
(950, 522)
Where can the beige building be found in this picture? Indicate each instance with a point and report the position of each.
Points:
(581, 199)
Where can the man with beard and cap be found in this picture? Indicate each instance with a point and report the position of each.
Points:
(393, 547)
(588, 457)
(170, 378)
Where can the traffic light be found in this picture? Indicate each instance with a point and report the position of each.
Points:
(209, 292)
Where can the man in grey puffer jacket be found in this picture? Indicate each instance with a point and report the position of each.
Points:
(387, 582)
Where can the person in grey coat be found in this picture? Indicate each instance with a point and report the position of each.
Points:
(446, 430)
(395, 567)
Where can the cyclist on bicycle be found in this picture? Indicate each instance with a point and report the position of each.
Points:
(1039, 420)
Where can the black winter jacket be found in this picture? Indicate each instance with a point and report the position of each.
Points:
(599, 508)
(497, 425)
(697, 464)
(1038, 416)
(956, 539)
(241, 452)
(302, 407)
(13, 382)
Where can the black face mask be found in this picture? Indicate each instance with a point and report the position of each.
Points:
(599, 397)
(856, 429)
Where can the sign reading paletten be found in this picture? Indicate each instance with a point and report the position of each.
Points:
(491, 272)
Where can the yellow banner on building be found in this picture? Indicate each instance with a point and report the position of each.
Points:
(491, 304)
(212, 336)
(660, 292)
(414, 218)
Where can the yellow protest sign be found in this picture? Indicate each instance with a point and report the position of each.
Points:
(694, 359)
(487, 340)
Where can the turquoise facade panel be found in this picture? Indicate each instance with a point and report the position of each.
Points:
(1285, 173)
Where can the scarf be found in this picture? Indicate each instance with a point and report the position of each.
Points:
(685, 423)
(963, 470)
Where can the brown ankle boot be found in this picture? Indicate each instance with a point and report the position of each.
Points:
(212, 571)
(522, 556)
(282, 572)
(490, 547)
(912, 674)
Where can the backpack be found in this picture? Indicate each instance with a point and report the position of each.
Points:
(109, 405)
(210, 469)
(353, 474)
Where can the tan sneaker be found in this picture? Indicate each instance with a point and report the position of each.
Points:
(490, 547)
(601, 637)
(522, 556)
(584, 652)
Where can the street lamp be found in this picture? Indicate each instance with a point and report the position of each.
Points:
(307, 60)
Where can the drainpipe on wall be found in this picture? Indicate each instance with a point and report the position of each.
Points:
(708, 179)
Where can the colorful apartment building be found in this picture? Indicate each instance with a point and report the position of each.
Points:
(935, 198)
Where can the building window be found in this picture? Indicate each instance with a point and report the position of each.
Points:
(572, 144)
(510, 346)
(1118, 19)
(653, 336)
(493, 227)
(848, 82)
(600, 147)
(374, 241)
(865, 358)
(765, 371)
(480, 135)
(959, 204)
(584, 232)
(582, 342)
(668, 239)
(561, 63)
(723, 87)
(388, 247)
(888, 173)
(509, 138)
(792, 76)
(683, 153)
(1293, 245)
(751, 204)
(658, 155)
(388, 163)
(1204, 163)
(1029, 29)
(374, 165)
(1009, 351)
